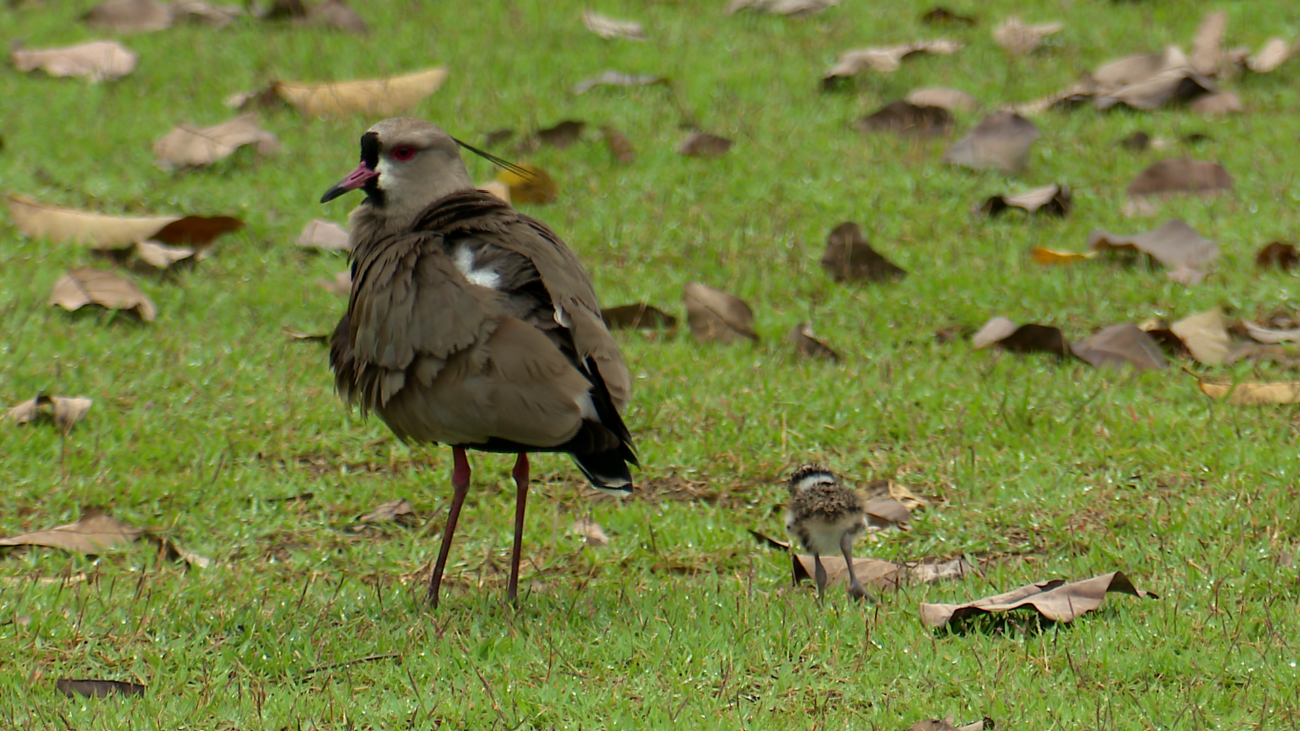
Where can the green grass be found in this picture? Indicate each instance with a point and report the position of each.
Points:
(205, 420)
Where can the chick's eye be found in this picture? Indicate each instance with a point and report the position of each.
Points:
(403, 153)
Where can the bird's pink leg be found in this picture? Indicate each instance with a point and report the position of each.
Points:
(460, 482)
(520, 474)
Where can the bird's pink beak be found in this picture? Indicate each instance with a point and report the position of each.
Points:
(354, 180)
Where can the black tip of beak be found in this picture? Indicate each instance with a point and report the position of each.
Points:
(333, 193)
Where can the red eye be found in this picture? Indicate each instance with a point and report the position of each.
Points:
(403, 153)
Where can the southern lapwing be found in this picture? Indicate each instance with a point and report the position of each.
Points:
(825, 517)
(472, 325)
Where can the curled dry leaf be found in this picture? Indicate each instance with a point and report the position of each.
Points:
(1055, 600)
(1045, 256)
(703, 144)
(129, 16)
(1176, 245)
(374, 97)
(807, 345)
(64, 411)
(537, 186)
(1120, 345)
(94, 533)
(393, 510)
(637, 316)
(906, 118)
(1173, 81)
(879, 574)
(1030, 338)
(341, 284)
(608, 28)
(885, 60)
(62, 225)
(496, 188)
(1223, 102)
(849, 258)
(1279, 254)
(153, 257)
(714, 315)
(592, 534)
(1250, 393)
(614, 78)
(1272, 54)
(1270, 335)
(992, 331)
(86, 286)
(940, 15)
(90, 688)
(950, 99)
(1137, 141)
(620, 148)
(1204, 335)
(1019, 38)
(1052, 200)
(324, 236)
(186, 146)
(1207, 48)
(214, 16)
(1001, 140)
(321, 338)
(792, 8)
(563, 134)
(338, 15)
(97, 60)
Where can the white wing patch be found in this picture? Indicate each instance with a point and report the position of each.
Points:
(464, 259)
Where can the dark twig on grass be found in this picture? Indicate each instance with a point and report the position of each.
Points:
(354, 661)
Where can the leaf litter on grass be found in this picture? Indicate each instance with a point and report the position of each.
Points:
(848, 257)
(1056, 600)
(63, 411)
(716, 316)
(96, 60)
(89, 286)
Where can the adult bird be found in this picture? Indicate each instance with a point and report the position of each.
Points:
(825, 516)
(472, 325)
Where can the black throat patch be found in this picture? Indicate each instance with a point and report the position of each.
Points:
(370, 158)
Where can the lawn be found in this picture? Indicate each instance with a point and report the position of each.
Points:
(218, 433)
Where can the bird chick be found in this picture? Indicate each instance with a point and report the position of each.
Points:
(825, 517)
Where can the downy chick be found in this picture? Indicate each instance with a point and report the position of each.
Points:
(825, 517)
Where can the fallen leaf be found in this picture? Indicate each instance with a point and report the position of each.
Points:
(1149, 82)
(593, 535)
(87, 285)
(702, 144)
(64, 411)
(96, 688)
(62, 225)
(537, 186)
(792, 8)
(336, 14)
(1270, 335)
(1278, 254)
(620, 148)
(1047, 256)
(940, 15)
(950, 99)
(608, 28)
(322, 338)
(129, 16)
(1001, 140)
(809, 346)
(341, 284)
(884, 60)
(1271, 55)
(97, 60)
(197, 11)
(186, 146)
(849, 258)
(638, 316)
(614, 78)
(563, 134)
(879, 574)
(1052, 200)
(1019, 38)
(1120, 345)
(1251, 394)
(1055, 600)
(1204, 335)
(906, 118)
(1260, 352)
(714, 315)
(94, 533)
(992, 331)
(496, 188)
(388, 512)
(154, 257)
(947, 724)
(372, 97)
(1176, 245)
(1207, 48)
(285, 9)
(1223, 102)
(1032, 338)
(1137, 141)
(324, 236)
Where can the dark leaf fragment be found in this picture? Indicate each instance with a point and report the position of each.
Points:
(637, 316)
(1001, 140)
(1120, 345)
(1181, 175)
(1176, 245)
(563, 134)
(940, 15)
(849, 258)
(809, 346)
(1279, 254)
(1054, 600)
(73, 687)
(1052, 200)
(906, 118)
(703, 144)
(619, 145)
(714, 315)
(1030, 338)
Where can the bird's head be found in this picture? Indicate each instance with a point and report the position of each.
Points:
(810, 475)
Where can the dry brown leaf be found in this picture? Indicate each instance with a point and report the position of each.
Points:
(373, 97)
(1278, 254)
(97, 60)
(1251, 394)
(884, 60)
(1176, 245)
(322, 338)
(537, 186)
(714, 315)
(1171, 85)
(992, 331)
(197, 11)
(1019, 38)
(906, 118)
(91, 688)
(940, 15)
(1052, 200)
(592, 534)
(792, 8)
(1272, 54)
(638, 316)
(87, 285)
(849, 257)
(608, 28)
(324, 236)
(336, 14)
(94, 533)
(563, 134)
(186, 146)
(1055, 600)
(1207, 49)
(64, 411)
(948, 724)
(496, 188)
(614, 78)
(703, 144)
(1045, 256)
(1073, 96)
(879, 574)
(620, 148)
(341, 284)
(1031, 338)
(1223, 102)
(393, 510)
(1120, 345)
(129, 16)
(1001, 140)
(62, 225)
(1204, 335)
(1270, 335)
(807, 345)
(950, 99)
(154, 257)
